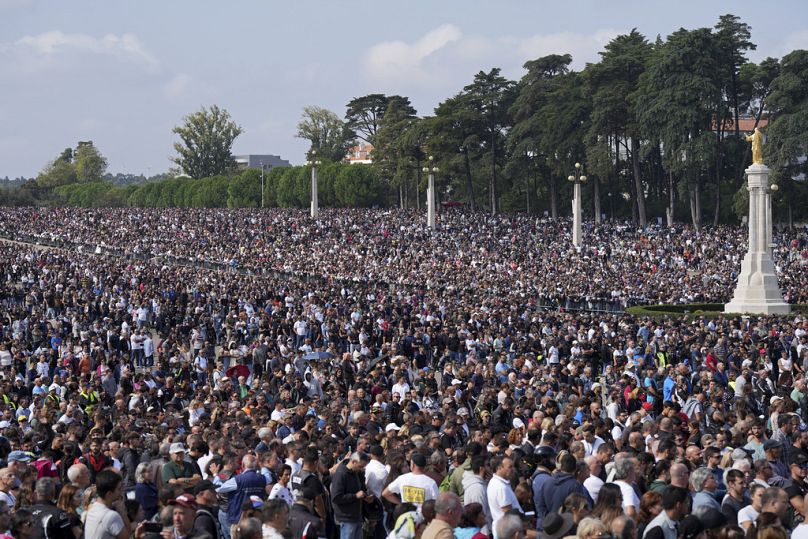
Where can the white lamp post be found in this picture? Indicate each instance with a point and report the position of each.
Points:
(430, 194)
(313, 163)
(577, 179)
(262, 184)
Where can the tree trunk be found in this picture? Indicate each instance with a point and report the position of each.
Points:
(635, 161)
(418, 185)
(669, 211)
(596, 196)
(401, 195)
(553, 197)
(717, 214)
(493, 187)
(469, 182)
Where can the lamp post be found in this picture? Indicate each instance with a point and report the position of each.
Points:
(262, 184)
(430, 194)
(313, 163)
(577, 179)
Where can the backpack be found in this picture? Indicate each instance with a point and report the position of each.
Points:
(219, 532)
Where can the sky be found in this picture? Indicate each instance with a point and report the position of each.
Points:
(123, 73)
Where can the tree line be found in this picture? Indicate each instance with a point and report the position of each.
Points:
(655, 123)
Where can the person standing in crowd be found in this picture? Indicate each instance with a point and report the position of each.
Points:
(414, 487)
(347, 494)
(241, 487)
(107, 517)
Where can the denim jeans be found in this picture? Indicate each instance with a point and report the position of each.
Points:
(350, 530)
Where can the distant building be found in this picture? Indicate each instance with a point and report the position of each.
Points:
(746, 124)
(256, 161)
(360, 154)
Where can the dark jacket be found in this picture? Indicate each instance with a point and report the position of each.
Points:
(300, 517)
(206, 521)
(344, 486)
(50, 522)
(146, 495)
(556, 490)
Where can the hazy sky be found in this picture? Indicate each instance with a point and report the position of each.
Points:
(124, 72)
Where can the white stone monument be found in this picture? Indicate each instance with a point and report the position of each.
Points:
(757, 291)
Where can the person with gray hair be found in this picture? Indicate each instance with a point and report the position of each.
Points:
(509, 527)
(625, 473)
(704, 484)
(79, 476)
(448, 511)
(146, 490)
(249, 528)
(46, 515)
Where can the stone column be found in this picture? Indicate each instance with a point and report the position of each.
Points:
(576, 215)
(757, 291)
(315, 207)
(430, 201)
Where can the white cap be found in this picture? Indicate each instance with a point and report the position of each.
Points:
(176, 448)
(391, 426)
(456, 382)
(518, 423)
(775, 399)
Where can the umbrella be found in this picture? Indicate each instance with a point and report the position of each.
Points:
(238, 370)
(318, 356)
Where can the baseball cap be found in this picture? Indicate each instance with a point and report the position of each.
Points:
(202, 486)
(20, 456)
(256, 502)
(184, 500)
(176, 448)
(771, 444)
(775, 399)
(391, 427)
(799, 459)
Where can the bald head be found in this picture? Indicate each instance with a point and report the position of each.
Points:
(680, 475)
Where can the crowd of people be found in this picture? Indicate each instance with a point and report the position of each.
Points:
(221, 374)
(473, 257)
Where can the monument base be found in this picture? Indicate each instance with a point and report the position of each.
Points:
(758, 291)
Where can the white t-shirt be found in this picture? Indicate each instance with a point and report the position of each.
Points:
(282, 493)
(592, 485)
(375, 476)
(102, 522)
(500, 494)
(414, 488)
(747, 514)
(800, 532)
(629, 496)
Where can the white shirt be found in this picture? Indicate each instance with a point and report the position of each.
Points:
(500, 494)
(592, 485)
(282, 493)
(747, 514)
(375, 476)
(102, 522)
(590, 449)
(630, 498)
(414, 488)
(800, 532)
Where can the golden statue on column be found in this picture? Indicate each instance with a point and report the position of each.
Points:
(757, 146)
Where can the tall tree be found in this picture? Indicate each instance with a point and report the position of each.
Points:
(614, 83)
(392, 151)
(90, 164)
(529, 131)
(364, 114)
(677, 104)
(788, 130)
(206, 143)
(60, 171)
(330, 137)
(454, 140)
(491, 95)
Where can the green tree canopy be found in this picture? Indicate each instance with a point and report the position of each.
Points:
(206, 142)
(330, 137)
